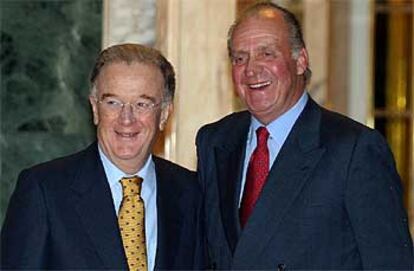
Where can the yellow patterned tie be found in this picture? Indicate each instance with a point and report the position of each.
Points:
(132, 223)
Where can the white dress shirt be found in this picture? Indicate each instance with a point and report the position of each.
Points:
(148, 195)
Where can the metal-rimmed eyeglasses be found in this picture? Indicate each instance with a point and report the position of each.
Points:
(114, 106)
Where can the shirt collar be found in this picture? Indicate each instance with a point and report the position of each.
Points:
(280, 128)
(114, 174)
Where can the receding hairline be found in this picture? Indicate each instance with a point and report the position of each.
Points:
(264, 11)
(127, 62)
(131, 53)
(130, 62)
(278, 18)
(127, 53)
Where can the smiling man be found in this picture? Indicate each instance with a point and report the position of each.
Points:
(287, 183)
(113, 205)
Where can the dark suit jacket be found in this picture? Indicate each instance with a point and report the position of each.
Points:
(332, 200)
(61, 216)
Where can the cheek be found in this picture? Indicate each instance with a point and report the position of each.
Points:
(283, 69)
(106, 126)
(279, 69)
(150, 123)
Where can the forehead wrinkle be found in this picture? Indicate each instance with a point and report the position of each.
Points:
(245, 46)
(130, 81)
(248, 35)
(269, 21)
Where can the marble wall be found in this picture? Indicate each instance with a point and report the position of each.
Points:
(129, 21)
(47, 50)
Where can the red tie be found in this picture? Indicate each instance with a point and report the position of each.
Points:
(256, 175)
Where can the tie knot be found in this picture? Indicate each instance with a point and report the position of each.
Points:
(262, 135)
(131, 186)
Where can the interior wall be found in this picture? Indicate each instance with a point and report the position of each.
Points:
(45, 60)
(129, 21)
(192, 34)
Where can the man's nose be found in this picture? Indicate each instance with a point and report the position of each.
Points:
(252, 67)
(127, 114)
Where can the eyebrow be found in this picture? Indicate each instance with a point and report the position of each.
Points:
(152, 99)
(105, 95)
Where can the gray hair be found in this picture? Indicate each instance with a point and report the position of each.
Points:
(130, 53)
(295, 31)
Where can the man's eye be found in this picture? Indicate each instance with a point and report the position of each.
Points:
(237, 60)
(143, 105)
(112, 102)
(268, 54)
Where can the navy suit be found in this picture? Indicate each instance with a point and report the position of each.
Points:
(332, 200)
(61, 216)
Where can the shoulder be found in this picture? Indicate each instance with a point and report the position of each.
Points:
(333, 119)
(51, 178)
(59, 168)
(335, 126)
(330, 123)
(168, 171)
(65, 163)
(229, 126)
(168, 167)
(226, 123)
(340, 132)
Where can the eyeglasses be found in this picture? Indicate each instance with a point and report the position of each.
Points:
(115, 106)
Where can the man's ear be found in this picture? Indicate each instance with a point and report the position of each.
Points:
(302, 62)
(94, 105)
(165, 113)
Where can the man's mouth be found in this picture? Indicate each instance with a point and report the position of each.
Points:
(260, 85)
(126, 135)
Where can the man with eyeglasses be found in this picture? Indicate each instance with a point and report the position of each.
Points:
(71, 213)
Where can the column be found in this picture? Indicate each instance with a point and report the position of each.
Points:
(360, 66)
(192, 34)
(315, 31)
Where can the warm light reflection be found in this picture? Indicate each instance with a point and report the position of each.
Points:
(267, 13)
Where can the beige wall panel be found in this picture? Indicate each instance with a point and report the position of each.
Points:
(338, 58)
(360, 61)
(315, 28)
(192, 34)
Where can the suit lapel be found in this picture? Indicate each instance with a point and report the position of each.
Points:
(169, 218)
(229, 160)
(96, 210)
(289, 173)
(229, 168)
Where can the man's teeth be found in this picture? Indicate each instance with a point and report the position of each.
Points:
(127, 134)
(260, 85)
